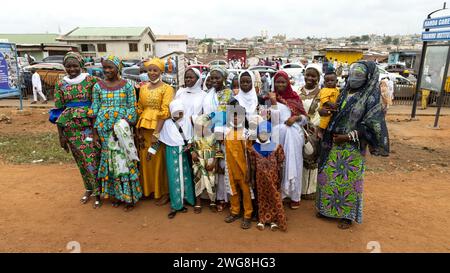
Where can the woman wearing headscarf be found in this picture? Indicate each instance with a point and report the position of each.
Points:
(358, 124)
(217, 101)
(310, 96)
(192, 98)
(114, 110)
(288, 115)
(73, 96)
(207, 83)
(153, 108)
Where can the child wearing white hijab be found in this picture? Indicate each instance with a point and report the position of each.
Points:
(179, 171)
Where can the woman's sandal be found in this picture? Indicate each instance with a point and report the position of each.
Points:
(163, 200)
(320, 216)
(183, 210)
(231, 218)
(246, 224)
(86, 197)
(274, 227)
(220, 206)
(197, 209)
(213, 207)
(128, 207)
(344, 224)
(116, 204)
(172, 214)
(295, 205)
(97, 204)
(260, 226)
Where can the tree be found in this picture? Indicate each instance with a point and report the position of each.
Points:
(365, 38)
(387, 40)
(207, 41)
(396, 41)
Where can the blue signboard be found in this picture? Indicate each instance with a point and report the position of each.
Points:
(9, 71)
(439, 22)
(436, 36)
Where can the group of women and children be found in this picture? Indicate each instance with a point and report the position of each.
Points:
(251, 151)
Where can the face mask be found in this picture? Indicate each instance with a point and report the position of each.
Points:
(144, 77)
(358, 76)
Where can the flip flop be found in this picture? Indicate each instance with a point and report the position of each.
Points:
(172, 214)
(231, 218)
(197, 209)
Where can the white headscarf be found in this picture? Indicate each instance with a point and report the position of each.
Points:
(192, 99)
(248, 100)
(204, 83)
(169, 134)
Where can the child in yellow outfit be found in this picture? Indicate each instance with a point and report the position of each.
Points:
(328, 98)
(238, 171)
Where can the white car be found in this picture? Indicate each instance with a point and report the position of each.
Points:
(293, 69)
(218, 63)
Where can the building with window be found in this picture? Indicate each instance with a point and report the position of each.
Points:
(124, 42)
(166, 44)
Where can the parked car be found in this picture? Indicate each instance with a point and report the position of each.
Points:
(293, 69)
(398, 68)
(219, 63)
(129, 63)
(96, 71)
(204, 69)
(59, 59)
(131, 73)
(264, 69)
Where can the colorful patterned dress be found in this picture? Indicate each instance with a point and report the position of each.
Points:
(77, 127)
(268, 186)
(111, 105)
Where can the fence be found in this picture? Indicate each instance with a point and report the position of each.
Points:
(404, 95)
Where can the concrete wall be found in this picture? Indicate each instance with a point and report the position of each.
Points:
(165, 47)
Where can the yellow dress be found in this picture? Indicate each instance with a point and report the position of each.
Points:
(327, 95)
(153, 106)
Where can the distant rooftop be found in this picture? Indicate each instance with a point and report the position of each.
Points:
(171, 37)
(30, 39)
(106, 31)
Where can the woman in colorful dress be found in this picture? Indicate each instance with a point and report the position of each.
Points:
(311, 99)
(358, 124)
(114, 101)
(73, 95)
(217, 101)
(288, 115)
(153, 108)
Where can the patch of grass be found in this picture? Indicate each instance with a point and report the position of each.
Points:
(24, 149)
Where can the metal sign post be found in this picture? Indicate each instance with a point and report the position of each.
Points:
(430, 37)
(442, 93)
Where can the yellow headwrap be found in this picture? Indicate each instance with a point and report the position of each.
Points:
(157, 62)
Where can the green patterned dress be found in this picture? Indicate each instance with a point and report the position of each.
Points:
(109, 106)
(77, 128)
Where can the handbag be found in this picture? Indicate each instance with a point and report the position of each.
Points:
(311, 148)
(54, 114)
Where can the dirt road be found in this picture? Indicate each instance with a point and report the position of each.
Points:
(407, 208)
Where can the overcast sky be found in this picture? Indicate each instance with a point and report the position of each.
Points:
(226, 18)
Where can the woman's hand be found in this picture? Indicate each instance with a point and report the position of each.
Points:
(291, 121)
(326, 111)
(63, 143)
(273, 97)
(339, 139)
(194, 156)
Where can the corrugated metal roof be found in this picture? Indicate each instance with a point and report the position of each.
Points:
(31, 39)
(107, 31)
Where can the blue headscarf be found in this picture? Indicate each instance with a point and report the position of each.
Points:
(265, 149)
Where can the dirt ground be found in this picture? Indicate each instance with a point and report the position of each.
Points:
(407, 207)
